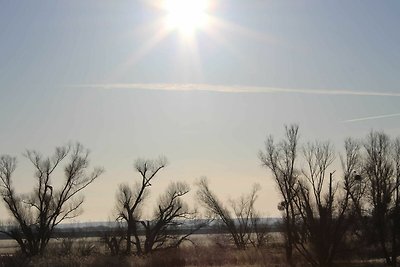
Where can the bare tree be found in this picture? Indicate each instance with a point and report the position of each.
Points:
(171, 213)
(395, 212)
(353, 173)
(355, 186)
(131, 199)
(280, 158)
(323, 218)
(381, 169)
(242, 224)
(38, 213)
(250, 229)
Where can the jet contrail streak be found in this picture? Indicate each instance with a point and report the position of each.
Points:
(373, 117)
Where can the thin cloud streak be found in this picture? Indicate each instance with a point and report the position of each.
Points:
(373, 117)
(230, 89)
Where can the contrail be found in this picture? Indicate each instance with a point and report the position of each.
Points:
(230, 89)
(373, 117)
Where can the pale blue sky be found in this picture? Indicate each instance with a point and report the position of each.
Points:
(62, 64)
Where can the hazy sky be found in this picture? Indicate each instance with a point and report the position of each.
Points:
(109, 74)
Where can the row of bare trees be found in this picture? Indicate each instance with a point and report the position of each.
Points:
(140, 236)
(322, 210)
(35, 215)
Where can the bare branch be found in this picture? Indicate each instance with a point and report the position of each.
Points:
(38, 213)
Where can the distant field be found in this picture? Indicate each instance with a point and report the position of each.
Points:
(206, 250)
(8, 246)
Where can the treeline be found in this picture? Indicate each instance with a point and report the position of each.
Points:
(324, 211)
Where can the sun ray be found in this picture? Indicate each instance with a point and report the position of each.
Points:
(190, 54)
(228, 26)
(147, 47)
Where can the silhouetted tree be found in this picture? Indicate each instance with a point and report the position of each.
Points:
(355, 186)
(395, 212)
(280, 158)
(381, 169)
(170, 214)
(242, 224)
(131, 199)
(36, 214)
(322, 206)
(160, 232)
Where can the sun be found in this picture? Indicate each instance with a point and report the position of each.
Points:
(186, 16)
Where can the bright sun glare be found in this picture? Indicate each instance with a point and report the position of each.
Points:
(186, 16)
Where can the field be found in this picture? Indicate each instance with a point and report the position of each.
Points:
(205, 250)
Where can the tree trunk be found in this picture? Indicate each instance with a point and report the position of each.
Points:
(289, 239)
(128, 238)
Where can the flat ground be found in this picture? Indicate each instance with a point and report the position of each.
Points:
(206, 250)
